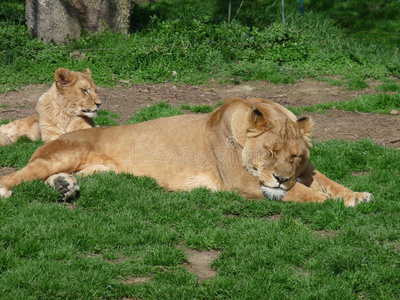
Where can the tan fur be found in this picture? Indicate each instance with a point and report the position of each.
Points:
(69, 105)
(254, 147)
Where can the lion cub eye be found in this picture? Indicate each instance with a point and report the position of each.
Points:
(85, 91)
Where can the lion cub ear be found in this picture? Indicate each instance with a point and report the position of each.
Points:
(258, 120)
(64, 78)
(305, 124)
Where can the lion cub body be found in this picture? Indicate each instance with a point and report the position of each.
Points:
(69, 105)
(256, 148)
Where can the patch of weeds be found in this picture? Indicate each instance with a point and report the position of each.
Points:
(331, 81)
(380, 103)
(5, 106)
(389, 86)
(6, 121)
(158, 110)
(262, 70)
(197, 108)
(18, 154)
(106, 118)
(356, 84)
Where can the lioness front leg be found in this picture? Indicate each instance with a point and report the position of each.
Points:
(303, 194)
(319, 182)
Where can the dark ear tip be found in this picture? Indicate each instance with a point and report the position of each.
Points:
(302, 118)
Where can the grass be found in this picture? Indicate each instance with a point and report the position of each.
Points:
(380, 103)
(190, 42)
(5, 121)
(158, 110)
(199, 109)
(106, 118)
(389, 86)
(122, 227)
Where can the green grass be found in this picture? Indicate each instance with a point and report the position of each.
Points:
(189, 41)
(380, 103)
(199, 109)
(123, 226)
(18, 154)
(5, 121)
(106, 118)
(158, 110)
(389, 86)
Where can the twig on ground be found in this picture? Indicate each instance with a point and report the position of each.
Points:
(6, 93)
(361, 113)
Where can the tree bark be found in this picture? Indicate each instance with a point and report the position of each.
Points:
(56, 20)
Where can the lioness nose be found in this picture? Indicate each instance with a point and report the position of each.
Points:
(281, 179)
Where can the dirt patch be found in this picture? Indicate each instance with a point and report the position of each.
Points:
(199, 263)
(323, 234)
(135, 280)
(382, 129)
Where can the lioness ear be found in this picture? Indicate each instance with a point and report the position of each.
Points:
(305, 124)
(87, 72)
(258, 119)
(63, 78)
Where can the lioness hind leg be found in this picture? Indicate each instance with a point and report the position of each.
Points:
(41, 168)
(65, 183)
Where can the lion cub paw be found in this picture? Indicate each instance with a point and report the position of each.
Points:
(4, 140)
(5, 192)
(357, 198)
(65, 183)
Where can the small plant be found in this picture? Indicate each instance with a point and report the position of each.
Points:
(106, 118)
(158, 110)
(389, 86)
(197, 108)
(380, 103)
(5, 121)
(356, 84)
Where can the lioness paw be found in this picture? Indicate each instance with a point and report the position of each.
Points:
(65, 183)
(357, 198)
(5, 192)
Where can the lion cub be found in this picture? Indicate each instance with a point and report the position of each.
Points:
(69, 105)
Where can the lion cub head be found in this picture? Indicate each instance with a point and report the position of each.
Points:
(276, 148)
(78, 93)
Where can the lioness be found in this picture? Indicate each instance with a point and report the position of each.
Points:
(69, 105)
(255, 147)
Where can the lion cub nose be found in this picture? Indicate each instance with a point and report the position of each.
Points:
(281, 179)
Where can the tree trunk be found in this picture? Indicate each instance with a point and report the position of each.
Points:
(55, 20)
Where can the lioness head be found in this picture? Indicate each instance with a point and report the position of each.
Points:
(78, 92)
(276, 148)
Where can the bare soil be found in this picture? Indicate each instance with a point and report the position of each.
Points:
(126, 100)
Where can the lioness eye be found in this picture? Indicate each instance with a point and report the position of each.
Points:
(85, 91)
